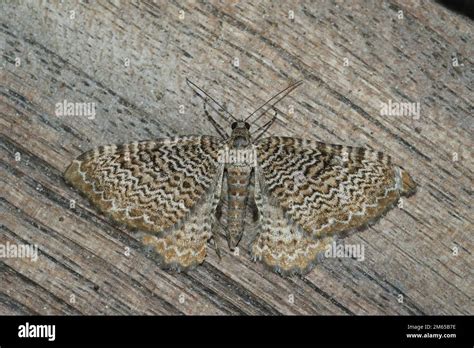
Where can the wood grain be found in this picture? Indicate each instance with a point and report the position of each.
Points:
(132, 58)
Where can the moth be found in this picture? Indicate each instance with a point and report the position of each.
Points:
(303, 193)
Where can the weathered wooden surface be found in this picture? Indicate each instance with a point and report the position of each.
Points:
(131, 60)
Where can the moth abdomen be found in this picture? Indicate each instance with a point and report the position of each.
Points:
(238, 181)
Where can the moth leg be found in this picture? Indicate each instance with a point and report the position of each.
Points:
(251, 199)
(215, 236)
(254, 209)
(220, 196)
(216, 245)
(218, 211)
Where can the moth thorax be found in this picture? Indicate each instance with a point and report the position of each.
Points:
(240, 141)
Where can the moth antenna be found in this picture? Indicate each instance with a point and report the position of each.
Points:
(194, 86)
(285, 92)
(216, 125)
(266, 126)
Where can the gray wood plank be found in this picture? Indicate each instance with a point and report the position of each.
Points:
(132, 59)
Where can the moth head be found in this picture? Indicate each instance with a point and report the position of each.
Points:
(240, 124)
(240, 134)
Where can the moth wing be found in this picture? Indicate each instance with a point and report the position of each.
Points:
(320, 190)
(281, 243)
(163, 187)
